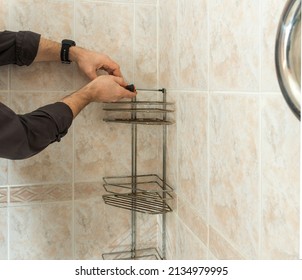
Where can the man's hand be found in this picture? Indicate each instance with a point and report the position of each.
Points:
(90, 62)
(106, 88)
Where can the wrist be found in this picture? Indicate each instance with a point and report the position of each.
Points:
(75, 53)
(78, 100)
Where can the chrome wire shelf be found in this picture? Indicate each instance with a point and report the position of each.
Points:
(138, 254)
(145, 121)
(140, 193)
(140, 112)
(143, 203)
(139, 109)
(143, 193)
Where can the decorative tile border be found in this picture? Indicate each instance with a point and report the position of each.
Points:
(41, 193)
(3, 195)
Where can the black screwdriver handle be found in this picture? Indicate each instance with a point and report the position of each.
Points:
(130, 88)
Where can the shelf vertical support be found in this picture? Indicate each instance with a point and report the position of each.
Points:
(164, 216)
(134, 183)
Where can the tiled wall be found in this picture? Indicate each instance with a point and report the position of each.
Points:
(234, 151)
(233, 154)
(51, 205)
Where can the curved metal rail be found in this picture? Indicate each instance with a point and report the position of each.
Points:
(288, 55)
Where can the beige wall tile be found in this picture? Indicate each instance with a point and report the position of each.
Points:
(280, 180)
(192, 150)
(167, 33)
(193, 45)
(234, 165)
(147, 230)
(101, 228)
(234, 45)
(54, 164)
(4, 14)
(145, 51)
(271, 14)
(151, 2)
(101, 149)
(108, 28)
(189, 246)
(148, 156)
(113, 1)
(4, 77)
(3, 232)
(50, 76)
(43, 17)
(90, 144)
(172, 237)
(4, 97)
(3, 171)
(191, 218)
(221, 248)
(41, 231)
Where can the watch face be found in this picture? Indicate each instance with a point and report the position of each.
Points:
(68, 42)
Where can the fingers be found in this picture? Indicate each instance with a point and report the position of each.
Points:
(124, 93)
(127, 93)
(90, 62)
(112, 68)
(120, 81)
(92, 74)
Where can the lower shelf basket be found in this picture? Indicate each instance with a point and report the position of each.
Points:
(140, 254)
(142, 193)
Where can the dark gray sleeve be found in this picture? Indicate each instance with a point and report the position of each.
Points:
(18, 47)
(22, 136)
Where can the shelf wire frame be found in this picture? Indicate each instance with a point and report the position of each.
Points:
(151, 194)
(141, 254)
(135, 197)
(148, 108)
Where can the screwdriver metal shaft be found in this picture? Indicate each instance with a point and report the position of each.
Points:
(144, 89)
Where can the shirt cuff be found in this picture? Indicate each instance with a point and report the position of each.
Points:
(62, 116)
(27, 45)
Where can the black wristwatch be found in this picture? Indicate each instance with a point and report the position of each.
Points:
(66, 44)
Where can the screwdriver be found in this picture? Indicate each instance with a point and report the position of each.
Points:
(132, 88)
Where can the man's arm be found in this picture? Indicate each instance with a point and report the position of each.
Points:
(106, 88)
(18, 47)
(22, 136)
(88, 61)
(26, 47)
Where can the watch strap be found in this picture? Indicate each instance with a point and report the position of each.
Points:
(66, 44)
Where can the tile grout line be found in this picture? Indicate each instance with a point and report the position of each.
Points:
(8, 162)
(177, 121)
(208, 136)
(158, 222)
(73, 149)
(8, 222)
(260, 134)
